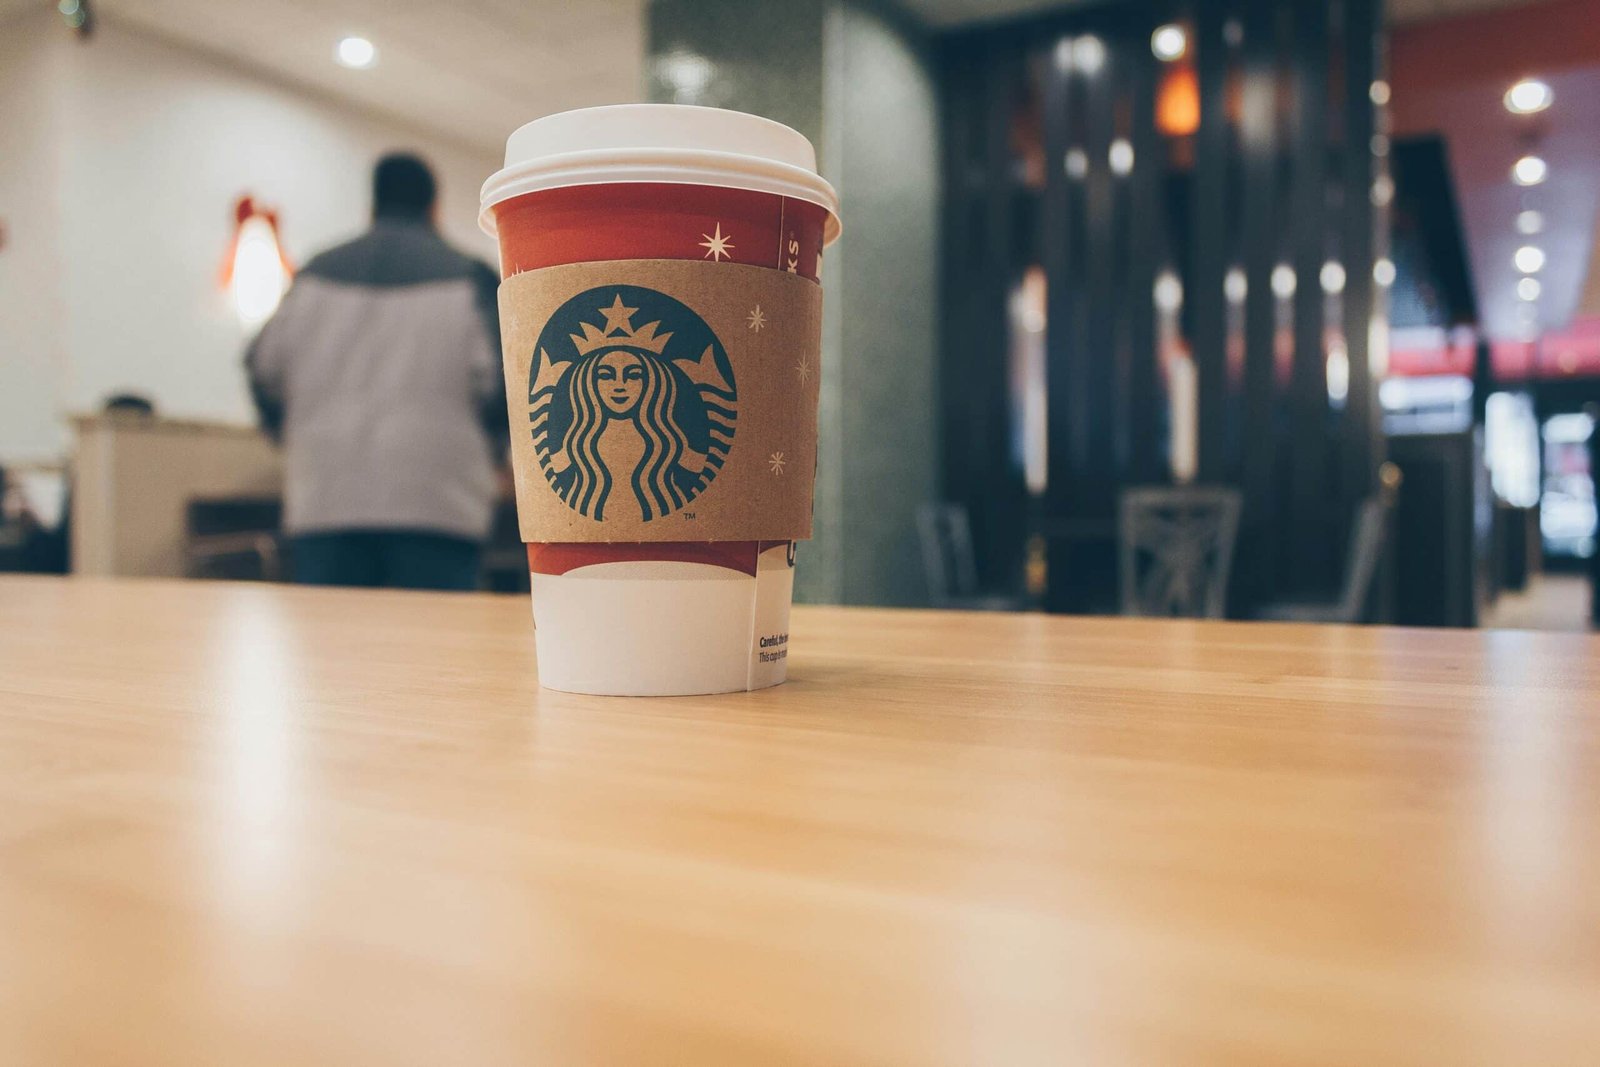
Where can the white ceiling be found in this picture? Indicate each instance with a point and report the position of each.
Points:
(472, 70)
(946, 13)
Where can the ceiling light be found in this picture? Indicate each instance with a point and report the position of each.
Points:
(1076, 163)
(1332, 277)
(1382, 190)
(1169, 42)
(1337, 372)
(1379, 92)
(687, 73)
(1528, 96)
(357, 53)
(1529, 259)
(1529, 222)
(1121, 156)
(1088, 53)
(1283, 281)
(1235, 286)
(1383, 272)
(1528, 289)
(1168, 291)
(1529, 170)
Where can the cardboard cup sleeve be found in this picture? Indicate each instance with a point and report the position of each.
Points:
(670, 405)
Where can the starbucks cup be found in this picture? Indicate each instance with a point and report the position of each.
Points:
(660, 310)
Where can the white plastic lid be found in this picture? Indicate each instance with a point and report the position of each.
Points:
(672, 143)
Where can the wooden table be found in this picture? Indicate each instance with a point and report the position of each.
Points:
(252, 825)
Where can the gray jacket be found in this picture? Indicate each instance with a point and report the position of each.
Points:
(380, 375)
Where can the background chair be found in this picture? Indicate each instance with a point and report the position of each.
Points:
(951, 564)
(1368, 537)
(1175, 548)
(234, 537)
(505, 557)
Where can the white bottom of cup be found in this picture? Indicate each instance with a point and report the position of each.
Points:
(664, 628)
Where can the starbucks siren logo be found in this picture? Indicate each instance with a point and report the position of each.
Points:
(630, 417)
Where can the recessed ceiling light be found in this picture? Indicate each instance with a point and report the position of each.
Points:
(1088, 53)
(1283, 281)
(357, 53)
(688, 73)
(1121, 156)
(1383, 272)
(1168, 291)
(1529, 170)
(1529, 288)
(1529, 259)
(1529, 222)
(1169, 42)
(1064, 53)
(1235, 286)
(1379, 92)
(1528, 96)
(1332, 277)
(1076, 163)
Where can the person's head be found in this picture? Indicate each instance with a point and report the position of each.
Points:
(403, 188)
(129, 404)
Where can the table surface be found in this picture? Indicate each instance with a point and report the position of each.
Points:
(259, 825)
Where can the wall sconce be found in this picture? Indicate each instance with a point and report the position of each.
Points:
(255, 272)
(1178, 100)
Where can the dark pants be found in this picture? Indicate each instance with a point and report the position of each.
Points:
(400, 559)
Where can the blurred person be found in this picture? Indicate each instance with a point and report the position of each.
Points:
(48, 549)
(1594, 478)
(130, 404)
(380, 376)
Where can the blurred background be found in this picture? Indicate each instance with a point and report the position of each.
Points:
(1227, 307)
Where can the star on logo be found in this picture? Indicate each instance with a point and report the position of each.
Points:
(717, 246)
(803, 368)
(757, 319)
(617, 316)
(776, 463)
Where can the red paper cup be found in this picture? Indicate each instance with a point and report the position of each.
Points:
(648, 182)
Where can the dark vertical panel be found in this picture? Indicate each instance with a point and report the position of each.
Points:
(963, 183)
(1145, 210)
(1074, 367)
(1360, 440)
(1097, 356)
(1259, 143)
(1059, 238)
(1000, 523)
(975, 393)
(1208, 249)
(1308, 396)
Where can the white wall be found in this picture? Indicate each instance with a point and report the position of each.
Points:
(145, 146)
(30, 335)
